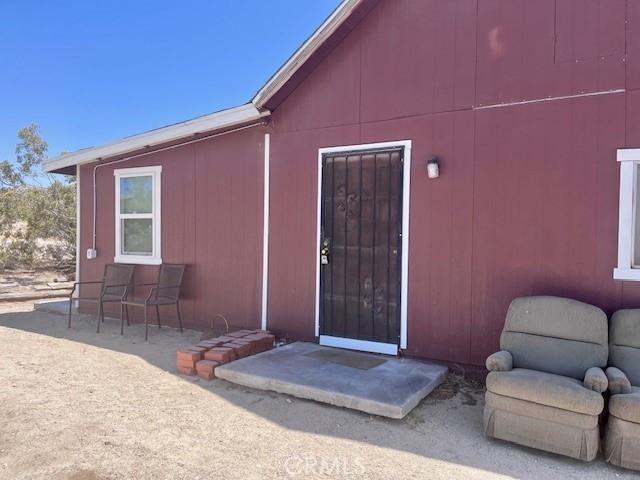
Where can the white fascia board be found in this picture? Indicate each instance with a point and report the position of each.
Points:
(302, 54)
(207, 123)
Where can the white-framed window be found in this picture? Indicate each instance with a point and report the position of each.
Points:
(138, 215)
(629, 216)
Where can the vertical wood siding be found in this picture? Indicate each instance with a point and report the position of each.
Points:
(211, 220)
(527, 200)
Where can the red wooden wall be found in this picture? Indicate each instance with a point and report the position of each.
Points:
(527, 201)
(211, 220)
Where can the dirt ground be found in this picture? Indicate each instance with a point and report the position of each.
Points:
(28, 284)
(82, 406)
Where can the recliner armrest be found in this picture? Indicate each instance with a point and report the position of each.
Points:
(501, 361)
(596, 380)
(618, 381)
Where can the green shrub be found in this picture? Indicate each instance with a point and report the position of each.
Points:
(37, 210)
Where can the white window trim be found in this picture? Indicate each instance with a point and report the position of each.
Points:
(629, 159)
(156, 257)
(404, 278)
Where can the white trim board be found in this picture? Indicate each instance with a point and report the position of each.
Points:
(549, 99)
(406, 196)
(362, 345)
(265, 231)
(628, 155)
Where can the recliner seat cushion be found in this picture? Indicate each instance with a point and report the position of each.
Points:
(626, 406)
(546, 389)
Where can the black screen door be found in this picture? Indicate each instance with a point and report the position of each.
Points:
(360, 242)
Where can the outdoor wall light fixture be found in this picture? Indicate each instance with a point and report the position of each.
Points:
(433, 168)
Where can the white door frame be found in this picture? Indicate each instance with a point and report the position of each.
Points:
(354, 344)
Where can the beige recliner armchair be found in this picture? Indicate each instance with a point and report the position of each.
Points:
(622, 442)
(544, 389)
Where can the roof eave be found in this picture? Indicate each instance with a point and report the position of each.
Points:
(253, 111)
(224, 119)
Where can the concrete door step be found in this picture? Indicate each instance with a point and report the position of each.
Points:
(379, 385)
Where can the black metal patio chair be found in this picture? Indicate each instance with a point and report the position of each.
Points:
(166, 291)
(113, 288)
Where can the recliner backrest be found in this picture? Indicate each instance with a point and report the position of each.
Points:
(624, 343)
(556, 335)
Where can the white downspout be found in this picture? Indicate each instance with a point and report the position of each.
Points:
(78, 215)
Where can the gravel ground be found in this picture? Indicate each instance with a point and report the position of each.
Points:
(78, 405)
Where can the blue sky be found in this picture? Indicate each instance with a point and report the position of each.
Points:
(94, 71)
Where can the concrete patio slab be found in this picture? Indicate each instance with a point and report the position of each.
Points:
(379, 385)
(61, 307)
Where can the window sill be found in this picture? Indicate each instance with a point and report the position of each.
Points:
(626, 274)
(138, 260)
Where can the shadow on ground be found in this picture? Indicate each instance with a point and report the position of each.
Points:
(446, 426)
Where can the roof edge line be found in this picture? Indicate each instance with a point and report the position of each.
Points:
(304, 52)
(207, 123)
(254, 110)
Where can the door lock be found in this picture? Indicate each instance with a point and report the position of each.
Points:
(324, 253)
